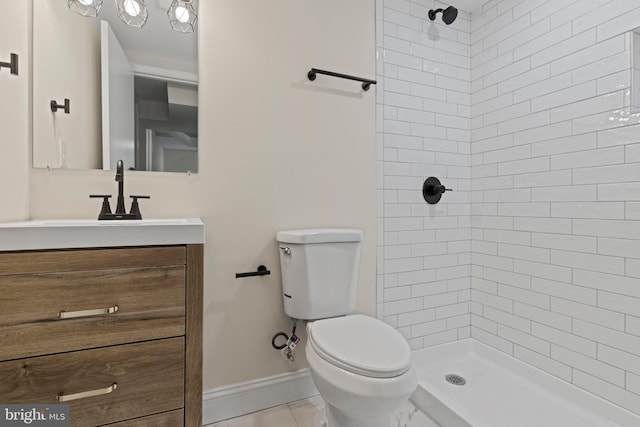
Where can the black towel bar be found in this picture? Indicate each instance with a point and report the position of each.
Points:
(366, 83)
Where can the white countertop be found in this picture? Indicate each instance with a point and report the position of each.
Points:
(91, 233)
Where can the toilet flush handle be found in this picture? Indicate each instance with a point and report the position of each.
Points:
(286, 250)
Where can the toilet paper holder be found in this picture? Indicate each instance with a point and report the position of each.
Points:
(262, 271)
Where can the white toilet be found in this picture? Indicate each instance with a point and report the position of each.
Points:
(360, 365)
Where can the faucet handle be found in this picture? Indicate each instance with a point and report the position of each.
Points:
(135, 208)
(106, 207)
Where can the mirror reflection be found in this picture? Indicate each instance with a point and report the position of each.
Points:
(133, 92)
(635, 70)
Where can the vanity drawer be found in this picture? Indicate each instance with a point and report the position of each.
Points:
(126, 381)
(55, 261)
(168, 419)
(44, 313)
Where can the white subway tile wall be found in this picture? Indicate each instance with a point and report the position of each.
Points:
(523, 107)
(555, 233)
(424, 110)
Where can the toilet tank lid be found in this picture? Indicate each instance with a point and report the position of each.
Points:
(320, 235)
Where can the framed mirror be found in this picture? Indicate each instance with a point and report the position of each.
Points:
(132, 92)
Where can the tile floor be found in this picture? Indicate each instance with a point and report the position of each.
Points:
(306, 413)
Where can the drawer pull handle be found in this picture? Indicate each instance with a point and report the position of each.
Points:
(87, 313)
(91, 393)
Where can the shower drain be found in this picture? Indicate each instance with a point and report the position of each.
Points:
(455, 379)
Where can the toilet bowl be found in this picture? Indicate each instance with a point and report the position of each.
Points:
(362, 369)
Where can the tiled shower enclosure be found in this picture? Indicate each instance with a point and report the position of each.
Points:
(523, 108)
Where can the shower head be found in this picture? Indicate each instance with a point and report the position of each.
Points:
(448, 15)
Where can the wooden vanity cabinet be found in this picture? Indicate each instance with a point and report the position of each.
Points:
(114, 332)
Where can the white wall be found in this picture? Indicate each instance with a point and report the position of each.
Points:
(556, 191)
(276, 152)
(423, 130)
(14, 113)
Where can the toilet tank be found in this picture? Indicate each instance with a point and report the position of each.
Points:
(320, 270)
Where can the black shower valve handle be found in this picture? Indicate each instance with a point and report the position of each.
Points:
(432, 190)
(440, 189)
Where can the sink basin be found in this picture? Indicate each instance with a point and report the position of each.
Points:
(91, 233)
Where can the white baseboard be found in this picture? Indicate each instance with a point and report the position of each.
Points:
(238, 399)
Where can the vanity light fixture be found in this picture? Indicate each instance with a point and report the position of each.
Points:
(132, 12)
(182, 16)
(85, 7)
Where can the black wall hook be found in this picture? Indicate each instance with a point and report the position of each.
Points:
(432, 190)
(12, 65)
(66, 106)
(262, 271)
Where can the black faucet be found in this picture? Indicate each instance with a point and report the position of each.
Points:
(120, 180)
(121, 212)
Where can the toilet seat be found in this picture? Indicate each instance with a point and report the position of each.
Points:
(362, 345)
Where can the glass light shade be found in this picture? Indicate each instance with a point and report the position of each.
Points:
(132, 12)
(85, 7)
(182, 16)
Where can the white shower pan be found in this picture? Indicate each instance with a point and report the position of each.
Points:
(501, 391)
